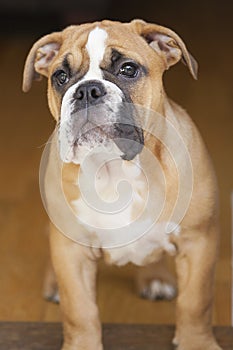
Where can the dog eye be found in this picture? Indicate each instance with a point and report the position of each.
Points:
(61, 77)
(129, 70)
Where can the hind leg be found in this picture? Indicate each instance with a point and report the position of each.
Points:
(155, 281)
(50, 287)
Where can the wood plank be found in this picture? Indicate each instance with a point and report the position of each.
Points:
(48, 336)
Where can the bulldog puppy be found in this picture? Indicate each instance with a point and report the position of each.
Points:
(115, 122)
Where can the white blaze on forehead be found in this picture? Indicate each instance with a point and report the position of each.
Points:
(96, 48)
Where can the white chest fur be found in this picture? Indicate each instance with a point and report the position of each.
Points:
(147, 248)
(113, 194)
(114, 208)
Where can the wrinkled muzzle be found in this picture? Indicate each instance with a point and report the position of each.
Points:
(95, 114)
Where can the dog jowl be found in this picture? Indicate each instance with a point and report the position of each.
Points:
(115, 126)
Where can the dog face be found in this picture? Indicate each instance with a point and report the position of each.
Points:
(97, 106)
(97, 74)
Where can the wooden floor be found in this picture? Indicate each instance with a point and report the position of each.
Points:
(25, 127)
(48, 336)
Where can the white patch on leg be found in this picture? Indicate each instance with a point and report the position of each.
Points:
(96, 48)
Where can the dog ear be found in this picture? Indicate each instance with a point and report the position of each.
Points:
(167, 44)
(40, 58)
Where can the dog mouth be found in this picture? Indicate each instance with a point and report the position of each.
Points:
(92, 135)
(98, 128)
(125, 137)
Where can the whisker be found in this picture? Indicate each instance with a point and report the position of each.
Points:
(45, 144)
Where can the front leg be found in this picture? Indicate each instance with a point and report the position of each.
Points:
(75, 268)
(195, 271)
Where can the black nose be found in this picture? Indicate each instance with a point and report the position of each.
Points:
(89, 93)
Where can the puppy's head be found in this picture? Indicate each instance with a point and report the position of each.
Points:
(97, 73)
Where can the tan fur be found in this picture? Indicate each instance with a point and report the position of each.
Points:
(197, 245)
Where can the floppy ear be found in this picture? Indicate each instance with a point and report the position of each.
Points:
(40, 58)
(167, 44)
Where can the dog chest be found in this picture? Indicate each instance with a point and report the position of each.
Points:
(118, 215)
